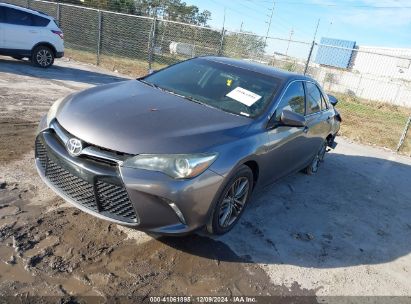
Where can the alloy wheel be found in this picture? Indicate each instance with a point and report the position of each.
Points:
(233, 202)
(319, 158)
(44, 58)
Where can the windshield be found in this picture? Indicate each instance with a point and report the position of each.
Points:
(218, 85)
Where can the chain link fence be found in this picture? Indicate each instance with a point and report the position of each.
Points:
(373, 85)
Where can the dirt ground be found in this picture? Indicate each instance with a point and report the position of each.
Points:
(345, 231)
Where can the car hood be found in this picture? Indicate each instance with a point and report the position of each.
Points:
(133, 117)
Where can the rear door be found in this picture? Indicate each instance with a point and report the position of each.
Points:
(317, 118)
(18, 30)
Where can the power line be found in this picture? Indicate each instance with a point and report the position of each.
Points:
(340, 5)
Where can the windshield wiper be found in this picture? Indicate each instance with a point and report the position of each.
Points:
(149, 83)
(190, 98)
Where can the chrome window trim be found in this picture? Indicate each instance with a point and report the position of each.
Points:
(285, 90)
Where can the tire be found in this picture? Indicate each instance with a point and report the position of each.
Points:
(42, 56)
(17, 57)
(312, 168)
(229, 208)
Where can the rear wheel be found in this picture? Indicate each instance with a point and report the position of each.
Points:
(312, 168)
(232, 202)
(42, 56)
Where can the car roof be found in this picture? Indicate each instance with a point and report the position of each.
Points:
(259, 68)
(27, 10)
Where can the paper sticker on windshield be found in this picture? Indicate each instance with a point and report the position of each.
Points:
(244, 96)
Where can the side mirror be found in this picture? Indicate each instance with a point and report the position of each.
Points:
(292, 119)
(333, 100)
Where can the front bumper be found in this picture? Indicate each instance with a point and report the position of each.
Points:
(146, 200)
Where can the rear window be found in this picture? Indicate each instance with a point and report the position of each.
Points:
(226, 87)
(313, 95)
(39, 21)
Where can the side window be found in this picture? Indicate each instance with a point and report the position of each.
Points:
(293, 100)
(2, 14)
(17, 17)
(40, 21)
(314, 97)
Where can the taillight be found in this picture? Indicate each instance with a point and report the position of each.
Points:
(60, 33)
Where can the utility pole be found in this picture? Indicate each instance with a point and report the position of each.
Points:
(220, 51)
(316, 29)
(269, 23)
(289, 40)
(307, 63)
(238, 39)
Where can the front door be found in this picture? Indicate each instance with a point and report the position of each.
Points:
(285, 150)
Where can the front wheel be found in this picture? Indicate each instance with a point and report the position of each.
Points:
(232, 202)
(312, 168)
(42, 56)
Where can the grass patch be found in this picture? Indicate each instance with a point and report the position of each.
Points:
(124, 65)
(127, 66)
(373, 123)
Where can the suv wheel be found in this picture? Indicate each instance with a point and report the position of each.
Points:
(232, 202)
(312, 168)
(42, 56)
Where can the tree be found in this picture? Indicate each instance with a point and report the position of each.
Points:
(244, 45)
(174, 10)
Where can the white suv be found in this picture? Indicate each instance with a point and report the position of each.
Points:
(28, 33)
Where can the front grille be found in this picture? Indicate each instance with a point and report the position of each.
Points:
(108, 199)
(76, 188)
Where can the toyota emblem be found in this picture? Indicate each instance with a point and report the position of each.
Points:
(74, 147)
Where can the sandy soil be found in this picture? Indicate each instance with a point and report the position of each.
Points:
(345, 231)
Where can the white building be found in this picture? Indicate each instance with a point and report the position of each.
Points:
(388, 62)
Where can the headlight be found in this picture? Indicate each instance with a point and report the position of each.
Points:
(174, 165)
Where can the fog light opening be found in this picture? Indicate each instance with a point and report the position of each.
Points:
(177, 211)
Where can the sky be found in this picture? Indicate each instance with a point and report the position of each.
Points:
(385, 23)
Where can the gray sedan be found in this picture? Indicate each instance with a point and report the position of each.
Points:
(184, 147)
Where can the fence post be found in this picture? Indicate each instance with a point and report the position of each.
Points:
(151, 43)
(220, 50)
(58, 14)
(28, 4)
(309, 57)
(404, 134)
(100, 22)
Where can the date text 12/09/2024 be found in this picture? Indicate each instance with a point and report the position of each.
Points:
(204, 299)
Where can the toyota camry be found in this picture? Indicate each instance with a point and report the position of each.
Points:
(183, 148)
